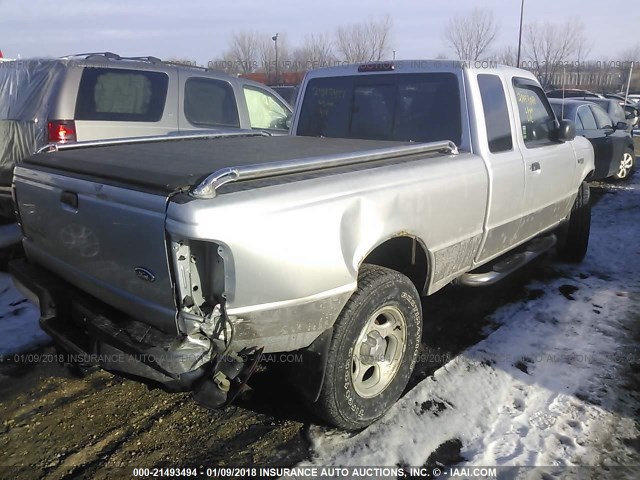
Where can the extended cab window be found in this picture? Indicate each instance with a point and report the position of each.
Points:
(265, 110)
(536, 117)
(496, 115)
(420, 107)
(210, 103)
(117, 94)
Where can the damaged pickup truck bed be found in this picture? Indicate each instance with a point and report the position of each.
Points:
(179, 261)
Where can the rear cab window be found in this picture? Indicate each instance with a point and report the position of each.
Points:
(210, 103)
(496, 113)
(537, 120)
(117, 94)
(420, 107)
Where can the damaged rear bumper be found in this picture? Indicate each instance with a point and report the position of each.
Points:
(93, 333)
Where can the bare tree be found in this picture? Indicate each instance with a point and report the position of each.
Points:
(507, 56)
(245, 50)
(582, 52)
(548, 46)
(629, 57)
(226, 63)
(267, 56)
(364, 42)
(316, 52)
(470, 36)
(631, 54)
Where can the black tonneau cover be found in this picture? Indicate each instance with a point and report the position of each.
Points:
(168, 166)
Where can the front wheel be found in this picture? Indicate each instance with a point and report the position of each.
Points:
(574, 239)
(373, 349)
(626, 165)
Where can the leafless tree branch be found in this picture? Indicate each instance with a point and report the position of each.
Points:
(364, 42)
(470, 36)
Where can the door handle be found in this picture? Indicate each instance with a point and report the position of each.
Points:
(535, 167)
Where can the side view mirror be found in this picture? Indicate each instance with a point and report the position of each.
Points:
(566, 131)
(622, 126)
(282, 123)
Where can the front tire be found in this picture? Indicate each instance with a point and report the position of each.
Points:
(574, 241)
(373, 349)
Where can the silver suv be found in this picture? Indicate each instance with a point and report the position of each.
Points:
(103, 95)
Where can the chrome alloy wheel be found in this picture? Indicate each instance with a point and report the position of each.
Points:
(625, 165)
(379, 351)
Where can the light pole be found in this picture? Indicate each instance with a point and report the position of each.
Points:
(520, 34)
(275, 39)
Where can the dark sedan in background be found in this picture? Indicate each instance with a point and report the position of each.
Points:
(612, 142)
(629, 110)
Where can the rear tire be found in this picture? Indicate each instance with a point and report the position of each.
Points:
(373, 349)
(626, 166)
(574, 240)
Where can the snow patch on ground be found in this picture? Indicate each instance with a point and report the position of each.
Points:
(544, 389)
(19, 328)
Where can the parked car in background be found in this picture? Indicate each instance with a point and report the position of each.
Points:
(614, 111)
(103, 96)
(572, 93)
(631, 107)
(612, 143)
(288, 92)
(635, 97)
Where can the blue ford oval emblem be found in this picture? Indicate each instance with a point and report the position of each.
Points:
(144, 274)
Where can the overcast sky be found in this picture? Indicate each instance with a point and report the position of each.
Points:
(200, 29)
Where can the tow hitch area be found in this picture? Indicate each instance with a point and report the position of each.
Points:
(227, 380)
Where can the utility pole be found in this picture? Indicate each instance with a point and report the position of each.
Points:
(520, 34)
(275, 39)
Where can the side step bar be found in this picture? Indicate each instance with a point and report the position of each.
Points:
(508, 265)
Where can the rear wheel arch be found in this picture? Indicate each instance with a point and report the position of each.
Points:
(404, 253)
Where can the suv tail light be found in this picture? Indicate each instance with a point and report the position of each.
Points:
(62, 131)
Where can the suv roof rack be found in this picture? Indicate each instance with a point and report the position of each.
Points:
(114, 56)
(147, 58)
(109, 55)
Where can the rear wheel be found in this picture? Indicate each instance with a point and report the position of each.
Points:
(574, 239)
(373, 349)
(626, 165)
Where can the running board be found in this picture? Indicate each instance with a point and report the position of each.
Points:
(508, 265)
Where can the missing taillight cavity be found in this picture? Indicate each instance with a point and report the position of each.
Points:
(62, 131)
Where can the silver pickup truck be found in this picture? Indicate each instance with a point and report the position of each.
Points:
(181, 261)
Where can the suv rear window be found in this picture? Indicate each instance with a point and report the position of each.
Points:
(121, 95)
(210, 103)
(421, 107)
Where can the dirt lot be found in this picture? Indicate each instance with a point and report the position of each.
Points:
(59, 423)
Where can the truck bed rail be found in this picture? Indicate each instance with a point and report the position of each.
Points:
(208, 187)
(56, 147)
